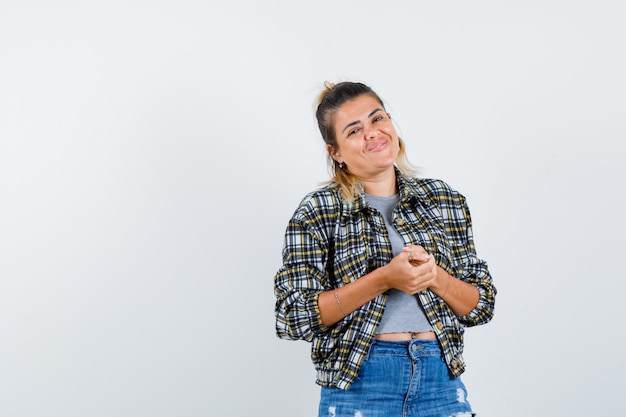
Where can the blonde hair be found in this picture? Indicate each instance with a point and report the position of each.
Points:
(332, 97)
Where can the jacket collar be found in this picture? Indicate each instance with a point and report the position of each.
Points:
(408, 189)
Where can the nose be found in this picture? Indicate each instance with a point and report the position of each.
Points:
(371, 133)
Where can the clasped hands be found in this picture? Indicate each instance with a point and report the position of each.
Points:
(411, 271)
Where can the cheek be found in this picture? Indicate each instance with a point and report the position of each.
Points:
(388, 129)
(394, 137)
(396, 144)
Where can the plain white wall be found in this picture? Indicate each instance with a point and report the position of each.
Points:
(151, 153)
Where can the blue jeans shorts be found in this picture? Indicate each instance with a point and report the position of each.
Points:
(399, 379)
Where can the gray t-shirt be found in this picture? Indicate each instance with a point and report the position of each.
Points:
(403, 312)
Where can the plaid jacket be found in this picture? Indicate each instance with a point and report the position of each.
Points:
(329, 243)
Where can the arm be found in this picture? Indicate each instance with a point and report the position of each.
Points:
(461, 297)
(401, 273)
(305, 305)
(470, 293)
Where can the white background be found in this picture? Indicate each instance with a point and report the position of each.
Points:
(151, 153)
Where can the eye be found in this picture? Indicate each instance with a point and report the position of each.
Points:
(378, 118)
(354, 131)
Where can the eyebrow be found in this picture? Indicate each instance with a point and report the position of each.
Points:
(358, 121)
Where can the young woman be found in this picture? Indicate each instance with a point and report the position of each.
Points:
(380, 272)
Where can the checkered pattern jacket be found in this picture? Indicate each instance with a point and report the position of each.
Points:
(330, 242)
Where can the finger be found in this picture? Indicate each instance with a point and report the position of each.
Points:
(419, 254)
(410, 253)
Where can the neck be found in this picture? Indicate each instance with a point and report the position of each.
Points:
(383, 185)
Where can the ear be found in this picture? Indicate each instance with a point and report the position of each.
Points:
(334, 153)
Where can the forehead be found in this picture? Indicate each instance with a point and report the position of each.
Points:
(358, 108)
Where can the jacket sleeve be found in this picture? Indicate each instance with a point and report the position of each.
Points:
(467, 266)
(300, 280)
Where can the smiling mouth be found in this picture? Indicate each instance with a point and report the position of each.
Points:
(378, 146)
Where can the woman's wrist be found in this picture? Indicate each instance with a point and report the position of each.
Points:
(443, 280)
(379, 280)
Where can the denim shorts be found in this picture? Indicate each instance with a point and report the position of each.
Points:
(399, 379)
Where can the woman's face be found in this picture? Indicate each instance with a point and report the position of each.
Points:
(366, 139)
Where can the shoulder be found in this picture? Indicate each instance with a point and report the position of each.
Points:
(433, 189)
(319, 204)
(316, 214)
